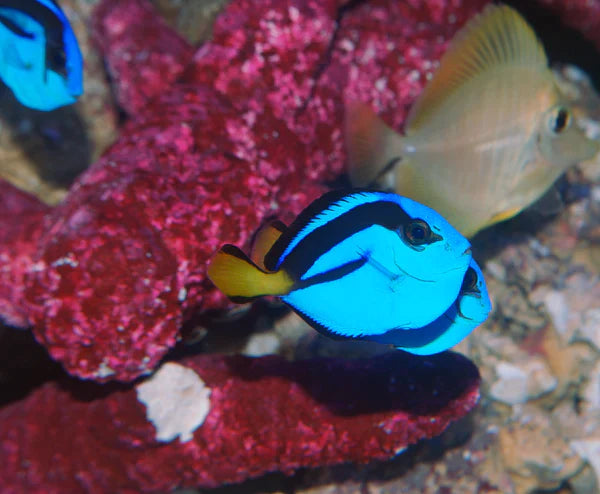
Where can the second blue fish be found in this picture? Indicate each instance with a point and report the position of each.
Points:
(40, 60)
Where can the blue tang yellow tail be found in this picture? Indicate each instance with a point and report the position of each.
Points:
(353, 264)
(40, 60)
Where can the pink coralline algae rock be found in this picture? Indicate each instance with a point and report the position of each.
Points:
(145, 55)
(389, 49)
(251, 128)
(124, 257)
(21, 218)
(264, 414)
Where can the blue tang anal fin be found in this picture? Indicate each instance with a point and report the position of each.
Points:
(242, 280)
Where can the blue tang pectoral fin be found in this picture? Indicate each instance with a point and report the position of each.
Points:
(395, 275)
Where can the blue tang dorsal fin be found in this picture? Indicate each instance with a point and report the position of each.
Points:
(326, 222)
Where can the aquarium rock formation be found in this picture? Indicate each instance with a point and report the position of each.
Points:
(214, 140)
(254, 415)
(250, 129)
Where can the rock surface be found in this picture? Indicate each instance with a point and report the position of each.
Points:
(264, 414)
(204, 160)
(212, 126)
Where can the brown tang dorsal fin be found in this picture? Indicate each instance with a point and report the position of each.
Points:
(498, 36)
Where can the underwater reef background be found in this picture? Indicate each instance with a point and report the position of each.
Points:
(190, 134)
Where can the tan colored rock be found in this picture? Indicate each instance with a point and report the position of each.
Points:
(193, 19)
(512, 375)
(584, 482)
(591, 391)
(518, 383)
(535, 453)
(567, 362)
(573, 309)
(589, 450)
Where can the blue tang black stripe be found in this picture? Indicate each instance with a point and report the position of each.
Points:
(388, 214)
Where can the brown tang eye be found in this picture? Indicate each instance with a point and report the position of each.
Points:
(559, 119)
(469, 283)
(417, 232)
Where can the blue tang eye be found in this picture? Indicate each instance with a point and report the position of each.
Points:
(417, 232)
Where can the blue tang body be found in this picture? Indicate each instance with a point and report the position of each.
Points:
(356, 264)
(40, 60)
(470, 309)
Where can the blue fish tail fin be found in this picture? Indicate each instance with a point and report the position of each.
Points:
(264, 239)
(241, 280)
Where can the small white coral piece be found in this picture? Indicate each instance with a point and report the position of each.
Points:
(177, 401)
(516, 384)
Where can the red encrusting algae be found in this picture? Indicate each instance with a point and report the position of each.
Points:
(248, 127)
(252, 129)
(21, 217)
(265, 414)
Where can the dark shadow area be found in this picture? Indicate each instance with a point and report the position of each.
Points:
(89, 391)
(57, 142)
(489, 242)
(24, 365)
(226, 331)
(562, 43)
(392, 381)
